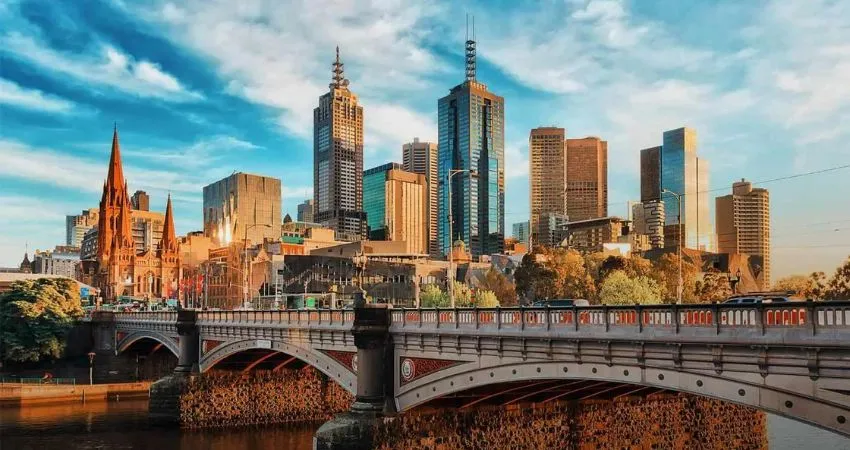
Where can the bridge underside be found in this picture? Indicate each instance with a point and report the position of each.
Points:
(258, 359)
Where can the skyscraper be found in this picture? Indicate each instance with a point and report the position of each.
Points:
(374, 199)
(547, 159)
(684, 173)
(76, 226)
(650, 212)
(338, 159)
(587, 178)
(743, 223)
(242, 205)
(421, 157)
(521, 231)
(305, 211)
(471, 138)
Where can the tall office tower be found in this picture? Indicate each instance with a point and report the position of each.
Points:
(521, 230)
(686, 174)
(242, 205)
(338, 159)
(651, 205)
(421, 157)
(396, 206)
(547, 161)
(374, 199)
(140, 201)
(76, 226)
(305, 211)
(743, 223)
(587, 178)
(471, 139)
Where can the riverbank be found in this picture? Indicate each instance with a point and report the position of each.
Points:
(12, 394)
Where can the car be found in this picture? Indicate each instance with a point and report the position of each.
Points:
(756, 299)
(561, 303)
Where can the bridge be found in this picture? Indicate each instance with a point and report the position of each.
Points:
(789, 359)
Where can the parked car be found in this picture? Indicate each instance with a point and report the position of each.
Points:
(756, 299)
(561, 303)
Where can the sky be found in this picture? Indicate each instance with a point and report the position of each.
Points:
(200, 89)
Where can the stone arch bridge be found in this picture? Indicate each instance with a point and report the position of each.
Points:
(789, 359)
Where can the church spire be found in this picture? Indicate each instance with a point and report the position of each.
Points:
(169, 240)
(115, 177)
(338, 80)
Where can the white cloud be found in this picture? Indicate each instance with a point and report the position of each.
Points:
(516, 160)
(202, 153)
(106, 66)
(14, 94)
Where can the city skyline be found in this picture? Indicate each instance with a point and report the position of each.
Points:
(145, 86)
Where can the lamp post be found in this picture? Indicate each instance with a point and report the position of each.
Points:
(680, 287)
(734, 280)
(245, 273)
(91, 368)
(359, 261)
(451, 277)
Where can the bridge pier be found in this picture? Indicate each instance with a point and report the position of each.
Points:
(165, 394)
(355, 429)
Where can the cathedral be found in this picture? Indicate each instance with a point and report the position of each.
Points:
(120, 270)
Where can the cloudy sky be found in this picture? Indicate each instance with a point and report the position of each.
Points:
(202, 88)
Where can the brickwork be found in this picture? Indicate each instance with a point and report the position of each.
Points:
(221, 399)
(670, 421)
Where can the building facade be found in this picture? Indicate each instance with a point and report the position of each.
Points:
(242, 206)
(407, 210)
(61, 261)
(76, 226)
(588, 236)
(547, 159)
(422, 158)
(140, 201)
(587, 178)
(648, 220)
(374, 200)
(305, 211)
(521, 231)
(119, 269)
(551, 229)
(471, 138)
(683, 172)
(743, 223)
(338, 158)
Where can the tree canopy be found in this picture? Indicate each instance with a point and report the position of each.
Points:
(620, 289)
(554, 273)
(35, 316)
(501, 287)
(433, 297)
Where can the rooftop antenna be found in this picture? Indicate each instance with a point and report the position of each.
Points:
(470, 50)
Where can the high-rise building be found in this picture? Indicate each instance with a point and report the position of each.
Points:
(650, 174)
(471, 130)
(374, 199)
(521, 231)
(587, 178)
(242, 205)
(743, 223)
(305, 211)
(648, 220)
(421, 157)
(76, 226)
(338, 158)
(61, 261)
(547, 158)
(686, 174)
(140, 201)
(651, 207)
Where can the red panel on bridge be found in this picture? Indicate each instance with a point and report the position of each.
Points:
(209, 345)
(120, 335)
(347, 359)
(411, 369)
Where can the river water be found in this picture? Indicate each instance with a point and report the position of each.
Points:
(124, 425)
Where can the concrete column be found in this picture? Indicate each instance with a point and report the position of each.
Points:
(187, 361)
(164, 407)
(354, 430)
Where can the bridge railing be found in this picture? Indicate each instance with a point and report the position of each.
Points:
(814, 315)
(299, 317)
(149, 316)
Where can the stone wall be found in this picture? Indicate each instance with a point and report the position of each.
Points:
(667, 421)
(221, 399)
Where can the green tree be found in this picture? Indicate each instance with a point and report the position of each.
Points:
(499, 284)
(35, 316)
(714, 287)
(533, 278)
(463, 296)
(665, 273)
(433, 297)
(803, 286)
(486, 299)
(838, 287)
(619, 289)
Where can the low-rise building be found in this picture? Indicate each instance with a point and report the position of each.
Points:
(587, 236)
(61, 261)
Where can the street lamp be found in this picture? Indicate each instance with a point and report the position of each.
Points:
(359, 261)
(452, 173)
(734, 280)
(91, 368)
(245, 273)
(680, 287)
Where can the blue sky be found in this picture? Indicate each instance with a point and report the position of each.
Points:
(202, 88)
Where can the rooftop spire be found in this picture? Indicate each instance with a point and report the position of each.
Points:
(169, 241)
(470, 50)
(338, 80)
(115, 177)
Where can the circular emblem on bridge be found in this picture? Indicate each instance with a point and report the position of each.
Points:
(354, 363)
(408, 369)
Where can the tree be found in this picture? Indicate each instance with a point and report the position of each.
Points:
(35, 316)
(619, 289)
(486, 299)
(802, 286)
(570, 275)
(499, 284)
(533, 278)
(433, 297)
(714, 287)
(463, 296)
(666, 272)
(838, 287)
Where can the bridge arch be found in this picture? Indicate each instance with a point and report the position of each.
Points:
(318, 360)
(748, 390)
(128, 340)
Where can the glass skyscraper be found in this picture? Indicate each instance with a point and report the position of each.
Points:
(686, 174)
(374, 199)
(471, 137)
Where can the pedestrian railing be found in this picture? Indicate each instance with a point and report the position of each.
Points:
(70, 381)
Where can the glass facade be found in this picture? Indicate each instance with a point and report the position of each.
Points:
(684, 173)
(374, 199)
(471, 138)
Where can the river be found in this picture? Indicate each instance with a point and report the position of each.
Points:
(124, 425)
